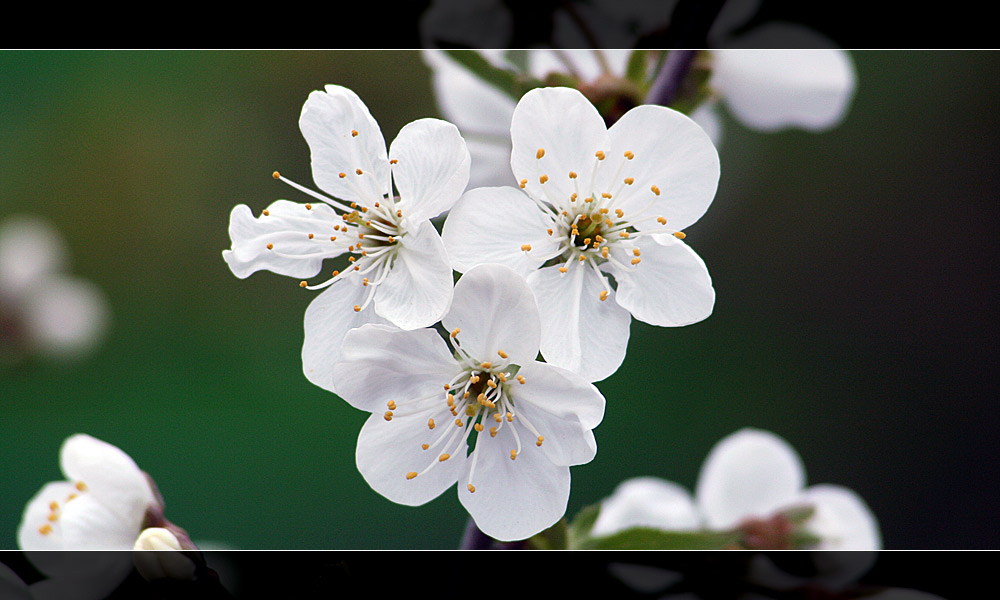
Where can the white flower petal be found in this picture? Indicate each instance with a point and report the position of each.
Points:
(494, 310)
(567, 127)
(432, 167)
(543, 61)
(328, 319)
(579, 331)
(389, 450)
(672, 153)
(647, 502)
(843, 520)
(381, 363)
(111, 478)
(418, 289)
(750, 473)
(65, 315)
(770, 90)
(514, 499)
(328, 122)
(490, 225)
(89, 524)
(30, 248)
(286, 228)
(671, 287)
(36, 517)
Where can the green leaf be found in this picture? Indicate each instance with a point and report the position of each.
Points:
(507, 81)
(636, 69)
(553, 538)
(579, 530)
(645, 538)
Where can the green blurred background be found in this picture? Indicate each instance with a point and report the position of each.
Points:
(856, 274)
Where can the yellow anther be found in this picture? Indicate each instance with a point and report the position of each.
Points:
(311, 236)
(608, 222)
(623, 234)
(430, 423)
(458, 422)
(309, 206)
(276, 175)
(351, 258)
(523, 183)
(636, 260)
(513, 454)
(451, 401)
(54, 506)
(265, 212)
(357, 308)
(388, 415)
(411, 474)
(525, 247)
(342, 175)
(510, 417)
(70, 497)
(619, 213)
(603, 211)
(455, 331)
(582, 258)
(486, 365)
(447, 387)
(598, 238)
(604, 295)
(444, 457)
(520, 379)
(588, 199)
(361, 236)
(540, 440)
(45, 529)
(661, 220)
(572, 174)
(680, 235)
(493, 431)
(549, 231)
(393, 161)
(364, 209)
(474, 379)
(543, 178)
(333, 238)
(540, 153)
(572, 197)
(563, 269)
(81, 486)
(604, 252)
(502, 377)
(53, 517)
(469, 411)
(354, 133)
(392, 240)
(399, 213)
(472, 489)
(636, 252)
(478, 426)
(391, 404)
(586, 241)
(357, 268)
(303, 284)
(359, 172)
(605, 195)
(491, 383)
(502, 354)
(629, 181)
(335, 273)
(481, 398)
(629, 155)
(599, 154)
(270, 246)
(424, 446)
(655, 190)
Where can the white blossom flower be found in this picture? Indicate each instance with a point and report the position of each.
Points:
(484, 413)
(157, 554)
(398, 270)
(101, 506)
(49, 312)
(748, 478)
(766, 90)
(595, 202)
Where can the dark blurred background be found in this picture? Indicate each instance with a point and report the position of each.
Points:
(856, 274)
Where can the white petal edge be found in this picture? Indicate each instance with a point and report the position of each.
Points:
(647, 502)
(843, 521)
(432, 167)
(111, 477)
(750, 473)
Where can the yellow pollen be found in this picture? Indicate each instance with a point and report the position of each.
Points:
(458, 422)
(357, 308)
(359, 172)
(599, 154)
(411, 474)
(619, 213)
(270, 246)
(629, 155)
(589, 199)
(502, 377)
(54, 506)
(342, 175)
(399, 213)
(513, 454)
(47, 529)
(523, 183)
(354, 133)
(276, 175)
(81, 486)
(572, 174)
(478, 426)
(563, 269)
(309, 206)
(497, 417)
(573, 197)
(510, 417)
(520, 379)
(540, 440)
(582, 258)
(491, 383)
(454, 332)
(526, 247)
(608, 222)
(430, 423)
(351, 259)
(540, 153)
(311, 236)
(53, 517)
(603, 211)
(605, 195)
(424, 446)
(598, 238)
(388, 415)
(266, 212)
(447, 387)
(393, 161)
(70, 497)
(636, 260)
(391, 404)
(604, 295)
(364, 209)
(635, 251)
(680, 235)
(361, 236)
(549, 231)
(485, 365)
(303, 284)
(502, 354)
(472, 489)
(392, 240)
(623, 234)
(629, 181)
(333, 238)
(493, 431)
(543, 178)
(604, 252)
(444, 457)
(335, 273)
(474, 379)
(586, 241)
(655, 190)
(661, 220)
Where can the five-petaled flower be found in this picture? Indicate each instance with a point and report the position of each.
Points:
(748, 482)
(595, 203)
(102, 505)
(483, 413)
(397, 271)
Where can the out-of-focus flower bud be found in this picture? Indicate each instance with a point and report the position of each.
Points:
(158, 554)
